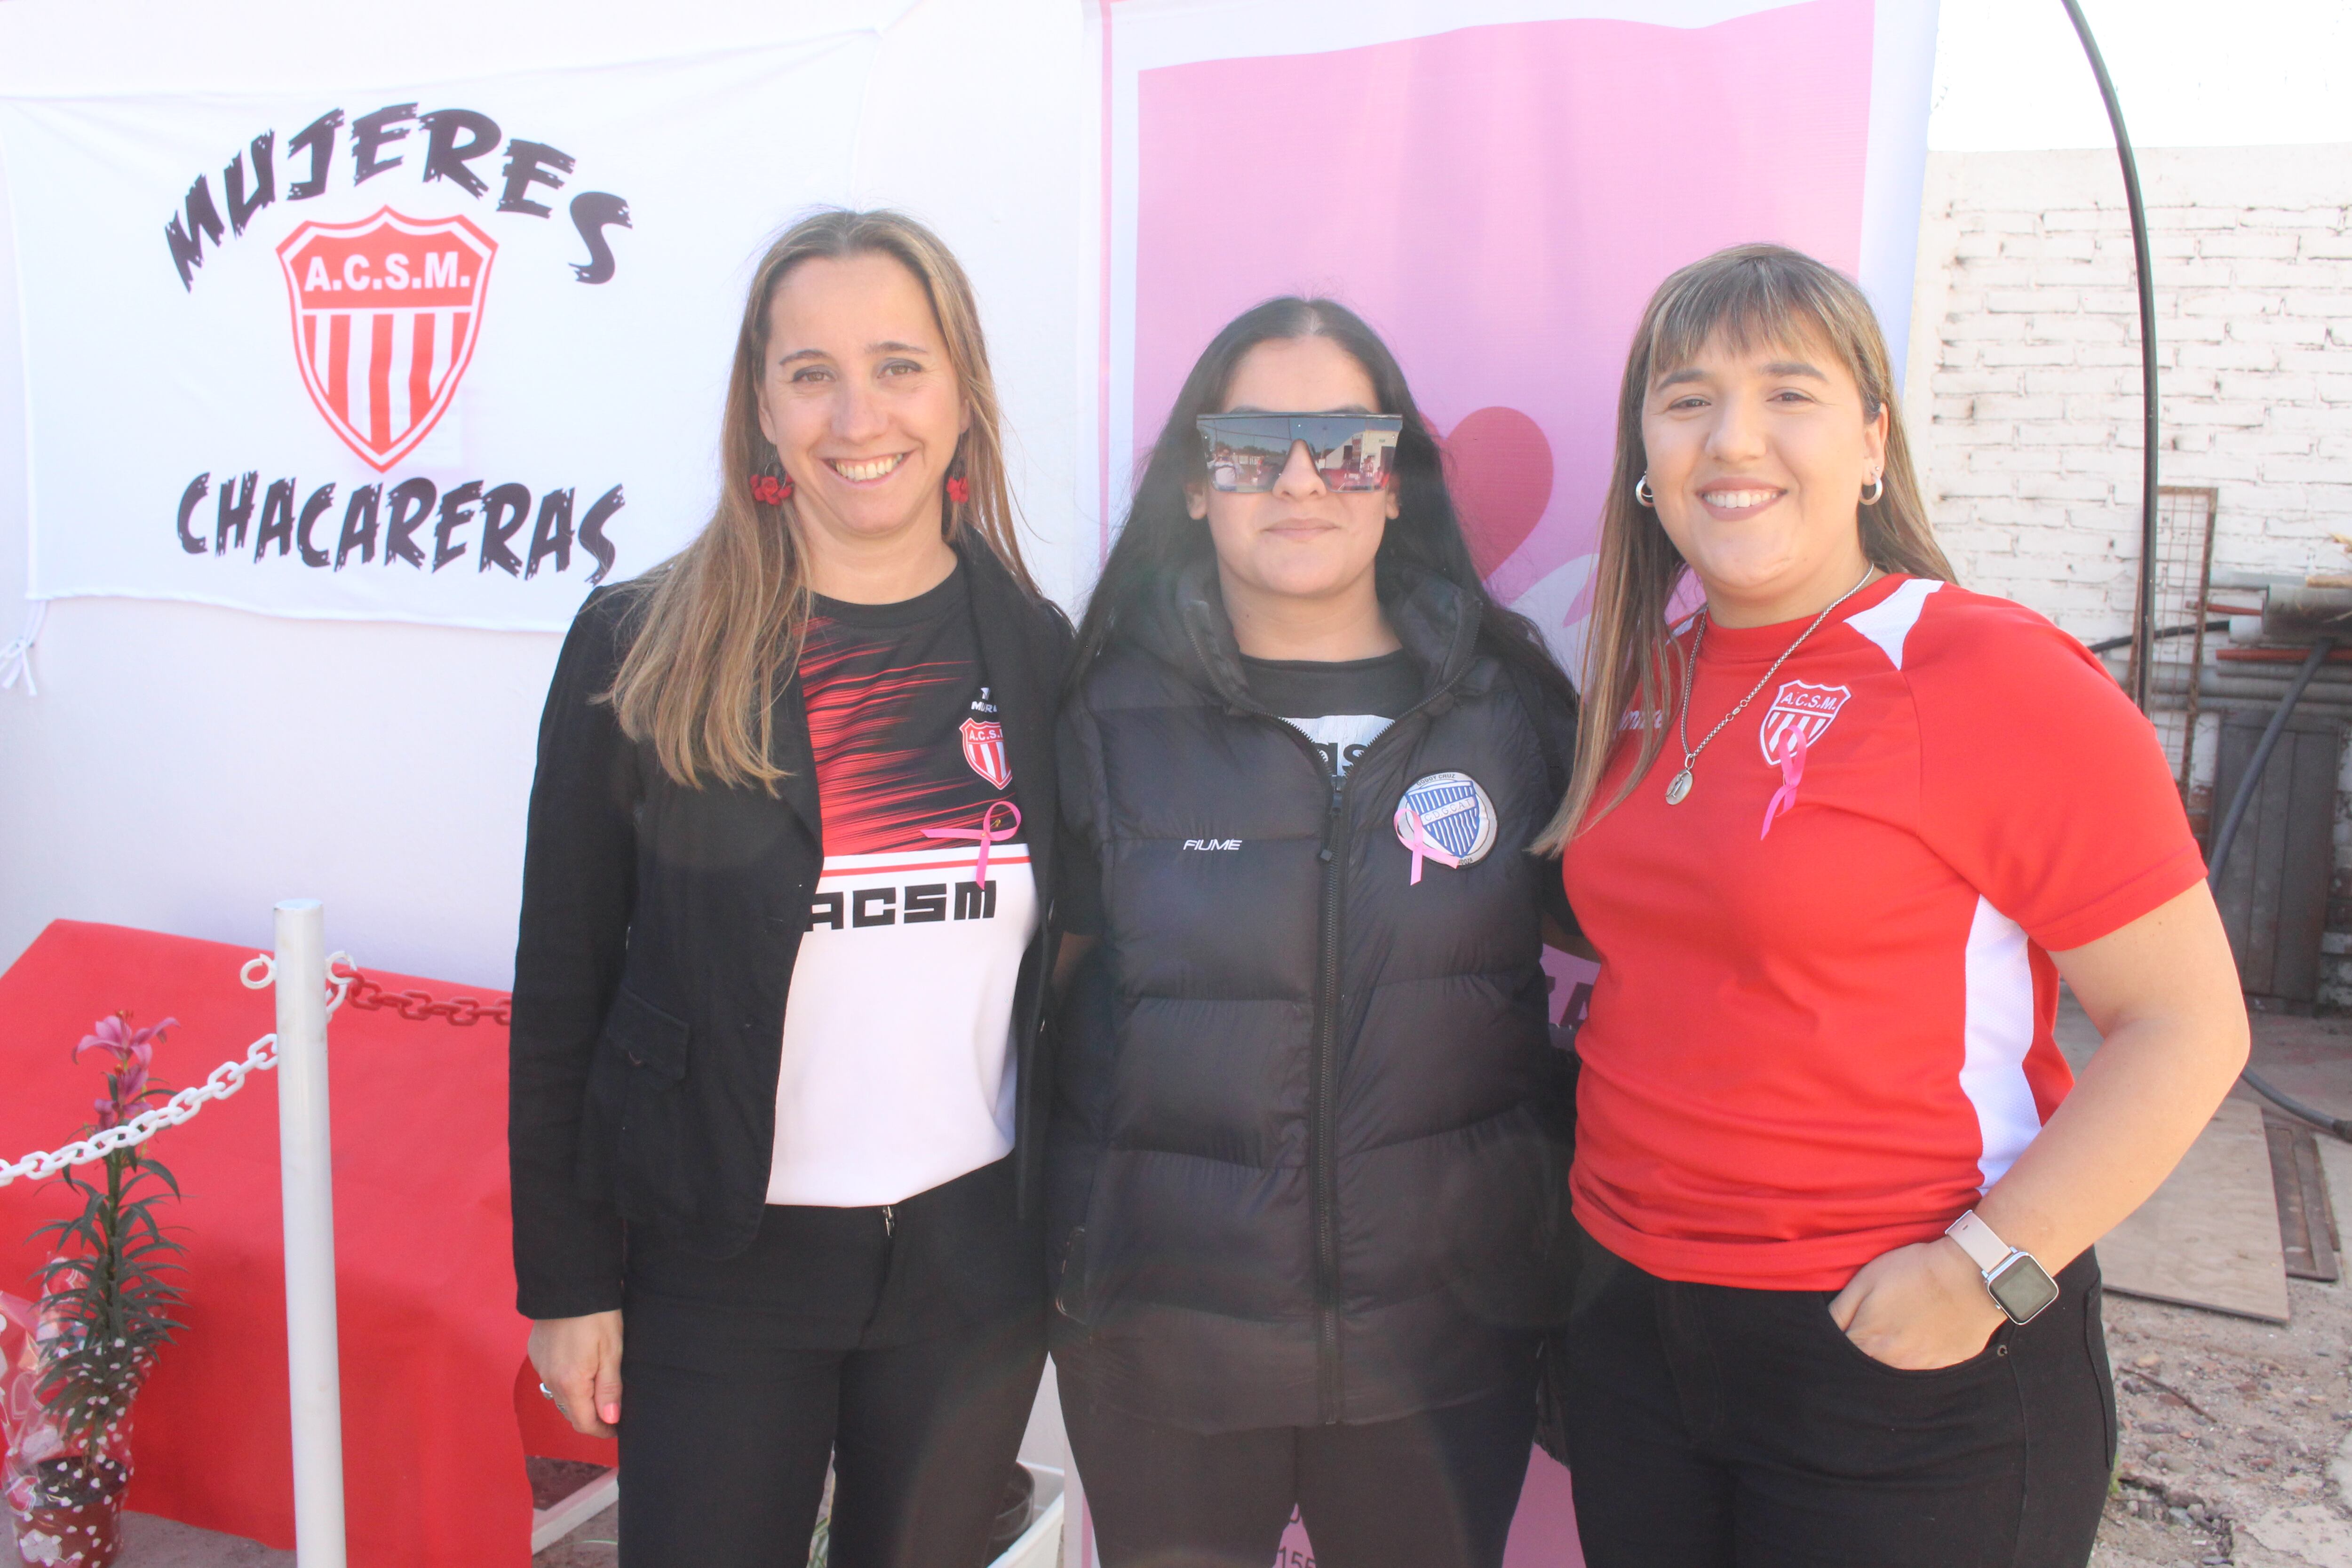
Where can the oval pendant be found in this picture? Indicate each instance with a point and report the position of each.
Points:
(1679, 788)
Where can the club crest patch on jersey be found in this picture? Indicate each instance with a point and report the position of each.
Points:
(1798, 707)
(983, 748)
(1445, 817)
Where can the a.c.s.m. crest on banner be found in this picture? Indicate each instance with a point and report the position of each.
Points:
(386, 311)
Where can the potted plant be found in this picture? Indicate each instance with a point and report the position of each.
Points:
(87, 1346)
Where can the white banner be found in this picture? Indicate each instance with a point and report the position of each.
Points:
(450, 352)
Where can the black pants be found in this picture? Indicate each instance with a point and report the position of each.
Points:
(1712, 1427)
(1432, 1490)
(906, 1348)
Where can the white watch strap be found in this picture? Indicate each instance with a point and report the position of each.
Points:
(1985, 1249)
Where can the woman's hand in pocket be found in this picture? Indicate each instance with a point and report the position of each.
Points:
(579, 1362)
(1917, 1308)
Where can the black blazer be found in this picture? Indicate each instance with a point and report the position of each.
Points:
(659, 929)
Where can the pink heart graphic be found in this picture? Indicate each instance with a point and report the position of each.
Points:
(1499, 465)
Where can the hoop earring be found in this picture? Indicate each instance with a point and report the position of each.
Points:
(1877, 488)
(1643, 493)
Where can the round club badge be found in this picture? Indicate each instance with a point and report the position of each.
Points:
(1445, 817)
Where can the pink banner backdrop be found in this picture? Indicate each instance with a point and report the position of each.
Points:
(1499, 190)
(1499, 201)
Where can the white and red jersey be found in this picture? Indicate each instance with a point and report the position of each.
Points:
(1823, 1022)
(897, 1072)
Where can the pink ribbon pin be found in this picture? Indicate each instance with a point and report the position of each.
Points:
(1793, 769)
(984, 834)
(1417, 839)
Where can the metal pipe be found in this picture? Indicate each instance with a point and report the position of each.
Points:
(2291, 614)
(2266, 690)
(2144, 614)
(305, 1171)
(2244, 795)
(2228, 836)
(2339, 1125)
(2218, 624)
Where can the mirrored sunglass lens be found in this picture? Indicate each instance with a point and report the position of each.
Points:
(1245, 452)
(1352, 454)
(1257, 427)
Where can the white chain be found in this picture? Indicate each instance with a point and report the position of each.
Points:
(225, 1079)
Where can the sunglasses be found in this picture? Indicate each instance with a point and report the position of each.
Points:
(1247, 452)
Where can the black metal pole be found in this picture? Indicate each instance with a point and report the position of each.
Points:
(2144, 613)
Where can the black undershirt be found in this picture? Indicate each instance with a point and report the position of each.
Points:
(1341, 704)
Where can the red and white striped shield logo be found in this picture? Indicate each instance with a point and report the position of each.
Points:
(1799, 706)
(983, 748)
(386, 311)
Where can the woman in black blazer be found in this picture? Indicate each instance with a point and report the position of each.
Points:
(778, 989)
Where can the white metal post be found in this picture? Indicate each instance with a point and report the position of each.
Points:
(306, 1167)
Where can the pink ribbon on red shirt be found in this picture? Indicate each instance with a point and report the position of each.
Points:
(1417, 839)
(984, 833)
(1792, 769)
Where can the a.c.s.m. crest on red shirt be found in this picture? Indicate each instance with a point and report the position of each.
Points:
(1797, 708)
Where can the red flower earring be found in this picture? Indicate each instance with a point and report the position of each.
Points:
(770, 490)
(959, 489)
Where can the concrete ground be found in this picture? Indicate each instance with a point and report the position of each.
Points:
(2236, 1434)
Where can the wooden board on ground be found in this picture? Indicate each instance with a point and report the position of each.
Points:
(2306, 1220)
(2209, 1236)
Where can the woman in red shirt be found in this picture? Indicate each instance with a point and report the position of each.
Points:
(1853, 826)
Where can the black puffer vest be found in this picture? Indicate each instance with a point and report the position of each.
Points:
(1309, 1150)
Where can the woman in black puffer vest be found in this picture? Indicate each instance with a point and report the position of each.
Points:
(1305, 1170)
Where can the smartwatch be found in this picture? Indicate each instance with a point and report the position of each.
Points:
(2016, 1281)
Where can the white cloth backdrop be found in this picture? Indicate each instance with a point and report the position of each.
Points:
(157, 382)
(186, 764)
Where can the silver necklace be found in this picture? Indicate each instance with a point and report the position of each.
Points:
(1679, 789)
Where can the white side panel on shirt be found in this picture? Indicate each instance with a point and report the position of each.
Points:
(1888, 623)
(896, 1072)
(1998, 1031)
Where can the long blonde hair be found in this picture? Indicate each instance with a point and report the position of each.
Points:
(1747, 296)
(719, 624)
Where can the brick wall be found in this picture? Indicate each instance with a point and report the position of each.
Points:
(2022, 385)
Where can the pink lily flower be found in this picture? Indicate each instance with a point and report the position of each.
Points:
(133, 1051)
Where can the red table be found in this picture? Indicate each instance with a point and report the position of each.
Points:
(436, 1415)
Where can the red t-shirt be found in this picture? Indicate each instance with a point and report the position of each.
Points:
(1815, 1039)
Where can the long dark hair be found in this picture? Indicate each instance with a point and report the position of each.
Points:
(1161, 537)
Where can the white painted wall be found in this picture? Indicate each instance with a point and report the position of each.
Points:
(183, 767)
(2026, 363)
